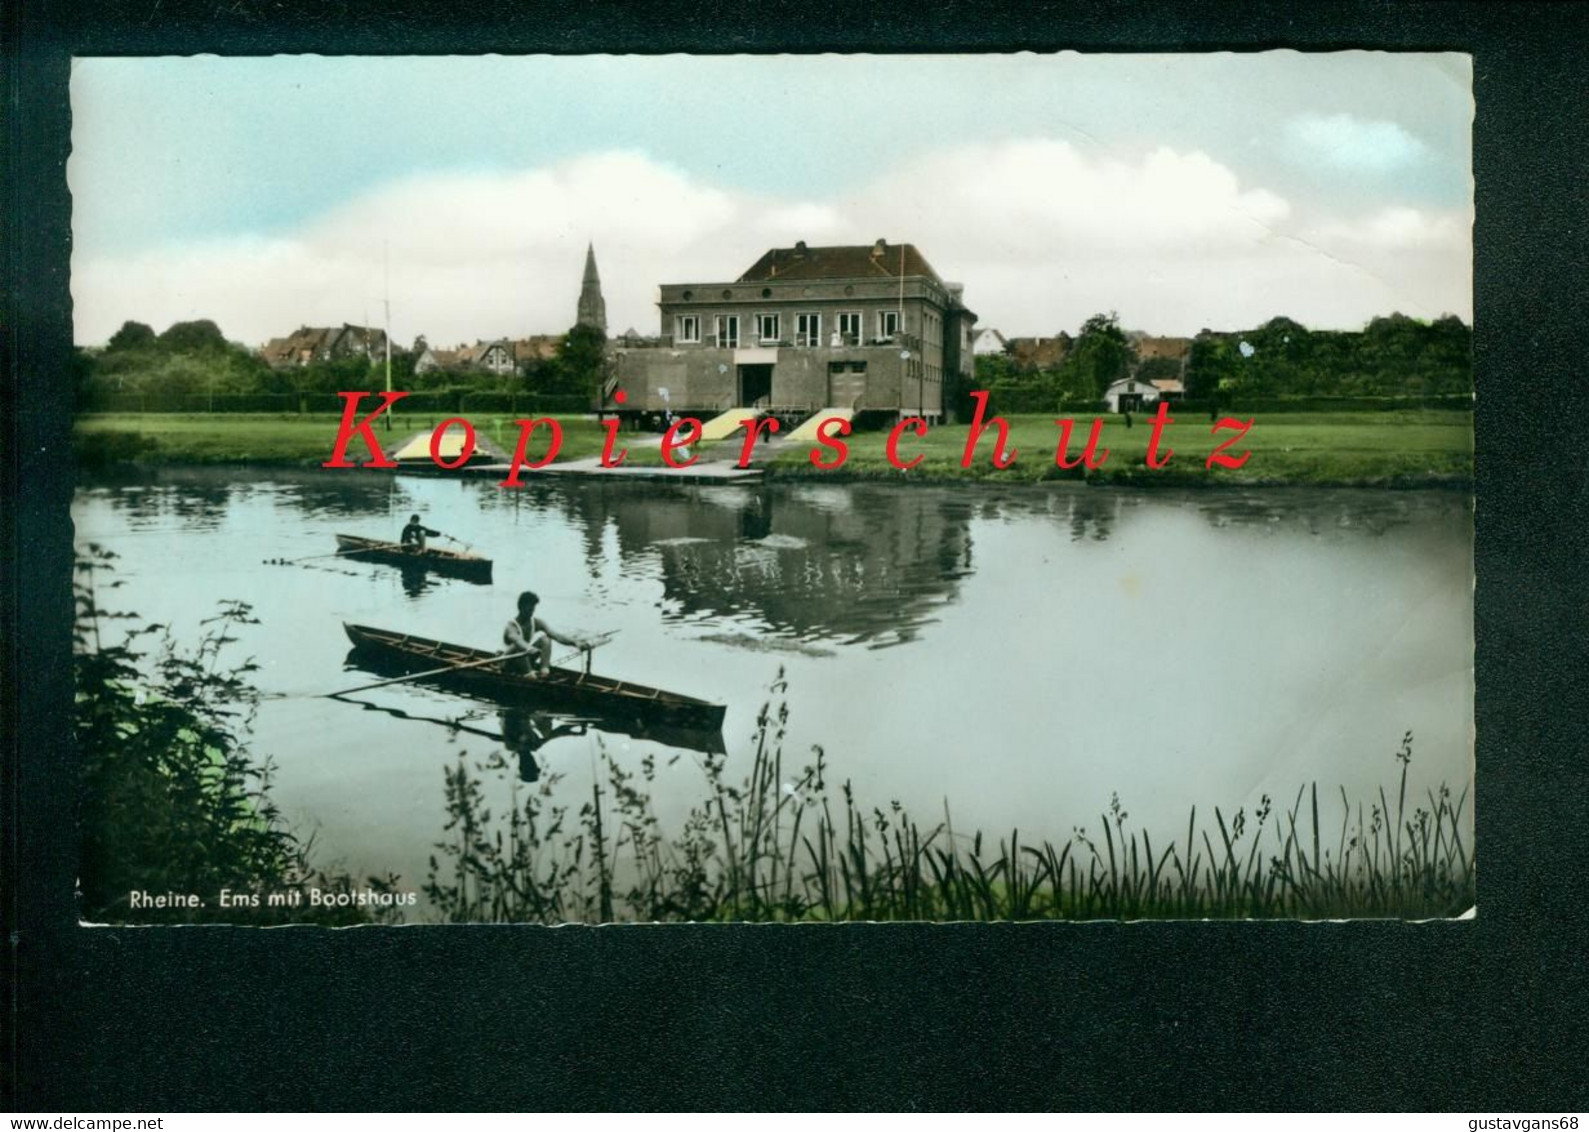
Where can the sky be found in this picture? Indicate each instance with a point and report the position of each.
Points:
(1180, 191)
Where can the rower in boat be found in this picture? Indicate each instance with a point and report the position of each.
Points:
(415, 533)
(532, 638)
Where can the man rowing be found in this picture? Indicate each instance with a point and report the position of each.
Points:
(532, 638)
(415, 533)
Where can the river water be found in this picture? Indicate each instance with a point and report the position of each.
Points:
(1019, 653)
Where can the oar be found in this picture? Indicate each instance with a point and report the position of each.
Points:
(338, 554)
(589, 646)
(459, 541)
(430, 672)
(451, 724)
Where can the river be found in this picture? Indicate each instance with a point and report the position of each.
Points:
(1020, 654)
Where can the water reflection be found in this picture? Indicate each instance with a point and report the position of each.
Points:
(873, 564)
(526, 732)
(199, 498)
(869, 566)
(528, 726)
(1279, 636)
(1326, 512)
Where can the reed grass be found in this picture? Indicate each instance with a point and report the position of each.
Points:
(771, 848)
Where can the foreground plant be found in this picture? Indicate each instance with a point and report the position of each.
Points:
(771, 849)
(172, 802)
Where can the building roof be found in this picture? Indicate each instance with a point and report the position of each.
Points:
(302, 344)
(853, 261)
(1039, 353)
(1148, 346)
(1167, 385)
(537, 346)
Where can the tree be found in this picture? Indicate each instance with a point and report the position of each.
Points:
(1100, 356)
(579, 367)
(352, 372)
(1211, 364)
(132, 336)
(198, 336)
(1153, 369)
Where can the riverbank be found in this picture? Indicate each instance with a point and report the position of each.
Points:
(1419, 448)
(1405, 449)
(294, 440)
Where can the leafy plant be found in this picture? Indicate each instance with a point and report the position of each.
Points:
(780, 847)
(171, 799)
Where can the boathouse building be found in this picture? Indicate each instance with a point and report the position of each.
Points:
(870, 330)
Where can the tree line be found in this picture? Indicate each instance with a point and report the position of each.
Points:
(193, 359)
(1392, 356)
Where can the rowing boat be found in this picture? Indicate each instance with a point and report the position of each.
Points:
(586, 692)
(469, 567)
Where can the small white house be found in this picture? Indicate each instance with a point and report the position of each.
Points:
(989, 342)
(1129, 395)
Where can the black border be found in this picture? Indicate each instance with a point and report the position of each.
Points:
(1465, 1016)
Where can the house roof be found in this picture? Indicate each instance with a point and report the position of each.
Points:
(292, 347)
(1148, 346)
(313, 339)
(536, 346)
(1167, 385)
(850, 261)
(1130, 385)
(1039, 352)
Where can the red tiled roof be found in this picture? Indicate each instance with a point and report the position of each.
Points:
(1039, 353)
(1150, 347)
(848, 262)
(536, 346)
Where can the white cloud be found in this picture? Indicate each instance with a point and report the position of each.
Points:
(1353, 144)
(1400, 228)
(1042, 234)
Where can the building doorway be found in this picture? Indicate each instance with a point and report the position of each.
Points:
(846, 384)
(755, 386)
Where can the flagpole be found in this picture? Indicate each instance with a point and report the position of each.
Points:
(386, 302)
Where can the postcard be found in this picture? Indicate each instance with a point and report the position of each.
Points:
(621, 489)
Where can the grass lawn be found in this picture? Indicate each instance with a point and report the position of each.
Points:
(1285, 447)
(1338, 448)
(266, 438)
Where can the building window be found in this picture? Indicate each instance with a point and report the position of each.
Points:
(808, 329)
(767, 327)
(887, 324)
(687, 328)
(728, 330)
(850, 328)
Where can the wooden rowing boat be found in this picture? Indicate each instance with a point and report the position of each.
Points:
(469, 567)
(585, 692)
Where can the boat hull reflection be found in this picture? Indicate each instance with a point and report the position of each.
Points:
(529, 723)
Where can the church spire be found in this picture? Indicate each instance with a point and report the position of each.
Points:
(592, 307)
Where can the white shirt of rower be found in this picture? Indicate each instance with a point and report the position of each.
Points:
(516, 639)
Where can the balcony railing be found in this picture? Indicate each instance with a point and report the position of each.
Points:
(847, 342)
